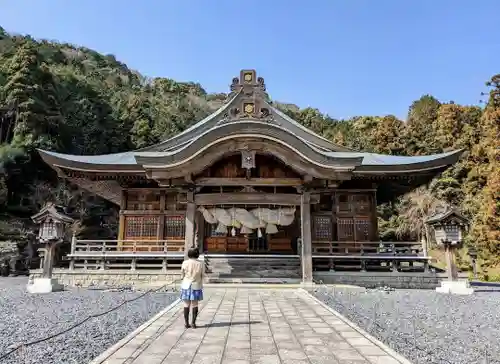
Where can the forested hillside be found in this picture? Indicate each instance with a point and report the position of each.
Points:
(74, 100)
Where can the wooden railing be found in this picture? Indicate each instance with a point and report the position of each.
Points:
(127, 246)
(126, 254)
(360, 248)
(394, 256)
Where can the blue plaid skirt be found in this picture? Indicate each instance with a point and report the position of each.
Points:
(191, 294)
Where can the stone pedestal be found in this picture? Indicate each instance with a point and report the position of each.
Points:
(44, 285)
(461, 287)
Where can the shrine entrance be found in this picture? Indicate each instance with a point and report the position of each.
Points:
(254, 229)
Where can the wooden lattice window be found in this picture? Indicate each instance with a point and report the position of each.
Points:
(361, 203)
(143, 200)
(362, 229)
(141, 227)
(354, 229)
(345, 229)
(322, 228)
(344, 203)
(175, 226)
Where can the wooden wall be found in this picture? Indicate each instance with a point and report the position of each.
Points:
(351, 217)
(151, 214)
(265, 167)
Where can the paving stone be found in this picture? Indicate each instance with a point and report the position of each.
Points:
(238, 344)
(239, 326)
(266, 359)
(382, 360)
(235, 361)
(211, 349)
(287, 355)
(268, 349)
(323, 359)
(206, 359)
(339, 345)
(371, 351)
(359, 341)
(348, 355)
(242, 354)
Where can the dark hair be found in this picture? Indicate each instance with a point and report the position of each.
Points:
(194, 253)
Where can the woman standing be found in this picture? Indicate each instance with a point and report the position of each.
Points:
(192, 285)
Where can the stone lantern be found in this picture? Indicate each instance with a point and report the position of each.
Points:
(449, 228)
(473, 257)
(52, 222)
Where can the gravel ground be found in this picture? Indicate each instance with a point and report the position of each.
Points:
(25, 317)
(425, 326)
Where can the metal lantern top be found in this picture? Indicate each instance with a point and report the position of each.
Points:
(52, 220)
(449, 226)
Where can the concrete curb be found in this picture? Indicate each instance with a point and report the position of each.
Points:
(101, 359)
(375, 341)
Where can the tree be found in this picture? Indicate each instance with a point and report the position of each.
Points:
(31, 115)
(485, 229)
(414, 209)
(421, 116)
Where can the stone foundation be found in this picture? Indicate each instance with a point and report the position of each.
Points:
(110, 278)
(155, 278)
(381, 279)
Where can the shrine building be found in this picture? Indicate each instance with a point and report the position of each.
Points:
(245, 181)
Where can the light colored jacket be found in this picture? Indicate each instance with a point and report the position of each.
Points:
(192, 273)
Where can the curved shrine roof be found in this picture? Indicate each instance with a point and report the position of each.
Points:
(248, 113)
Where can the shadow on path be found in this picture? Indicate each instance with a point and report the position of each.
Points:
(234, 323)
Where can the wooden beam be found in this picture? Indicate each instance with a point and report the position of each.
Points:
(151, 212)
(249, 182)
(242, 198)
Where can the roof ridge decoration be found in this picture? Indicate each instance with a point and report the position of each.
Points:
(253, 100)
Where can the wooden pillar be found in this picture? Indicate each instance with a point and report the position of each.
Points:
(200, 231)
(374, 232)
(48, 259)
(450, 262)
(121, 223)
(73, 250)
(190, 223)
(161, 222)
(305, 224)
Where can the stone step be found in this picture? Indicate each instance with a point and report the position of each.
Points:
(252, 280)
(253, 260)
(256, 273)
(230, 270)
(250, 268)
(239, 262)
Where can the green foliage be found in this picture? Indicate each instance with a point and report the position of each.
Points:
(74, 100)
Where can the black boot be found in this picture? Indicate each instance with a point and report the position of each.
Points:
(195, 314)
(186, 317)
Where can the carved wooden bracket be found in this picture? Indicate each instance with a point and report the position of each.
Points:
(248, 159)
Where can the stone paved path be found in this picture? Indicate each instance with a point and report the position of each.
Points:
(247, 326)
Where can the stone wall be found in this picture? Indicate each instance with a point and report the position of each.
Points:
(381, 279)
(114, 278)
